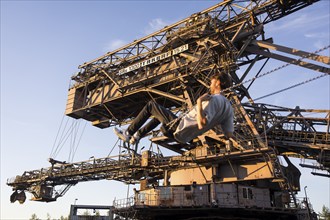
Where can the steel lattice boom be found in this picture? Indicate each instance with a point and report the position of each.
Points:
(172, 66)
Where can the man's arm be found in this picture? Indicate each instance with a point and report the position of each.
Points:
(201, 120)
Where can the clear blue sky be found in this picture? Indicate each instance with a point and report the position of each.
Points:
(42, 44)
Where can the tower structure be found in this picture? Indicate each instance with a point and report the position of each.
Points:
(210, 177)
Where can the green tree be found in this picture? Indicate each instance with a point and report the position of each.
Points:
(64, 218)
(34, 217)
(86, 213)
(325, 214)
(97, 213)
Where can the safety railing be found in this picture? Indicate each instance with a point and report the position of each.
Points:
(244, 197)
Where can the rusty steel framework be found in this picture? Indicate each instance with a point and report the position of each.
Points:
(172, 66)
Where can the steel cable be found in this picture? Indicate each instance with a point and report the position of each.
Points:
(272, 71)
(293, 86)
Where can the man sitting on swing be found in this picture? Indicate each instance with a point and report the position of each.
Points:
(212, 109)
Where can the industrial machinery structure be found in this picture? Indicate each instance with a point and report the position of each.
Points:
(100, 212)
(210, 177)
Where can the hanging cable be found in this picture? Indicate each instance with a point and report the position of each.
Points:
(58, 132)
(71, 132)
(272, 71)
(113, 147)
(65, 137)
(293, 86)
(60, 139)
(73, 140)
(55, 145)
(75, 148)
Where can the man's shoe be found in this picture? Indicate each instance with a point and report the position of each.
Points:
(122, 134)
(134, 139)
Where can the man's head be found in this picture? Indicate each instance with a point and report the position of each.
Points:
(220, 81)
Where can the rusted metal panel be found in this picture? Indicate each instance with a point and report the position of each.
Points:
(245, 171)
(199, 175)
(252, 196)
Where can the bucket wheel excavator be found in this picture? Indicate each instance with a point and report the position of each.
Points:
(210, 177)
